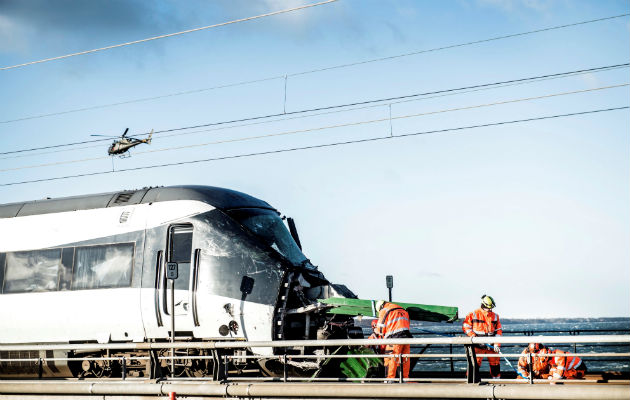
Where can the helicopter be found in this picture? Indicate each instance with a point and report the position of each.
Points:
(122, 145)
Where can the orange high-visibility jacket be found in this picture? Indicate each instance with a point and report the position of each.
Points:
(522, 361)
(560, 364)
(392, 320)
(540, 365)
(541, 360)
(378, 349)
(482, 323)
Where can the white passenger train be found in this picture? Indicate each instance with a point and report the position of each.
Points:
(92, 269)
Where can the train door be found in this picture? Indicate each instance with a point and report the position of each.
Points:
(179, 250)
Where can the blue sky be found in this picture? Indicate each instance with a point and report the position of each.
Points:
(535, 214)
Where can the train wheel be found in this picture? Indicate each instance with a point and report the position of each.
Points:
(96, 368)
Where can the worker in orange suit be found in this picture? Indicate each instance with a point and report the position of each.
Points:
(562, 366)
(483, 323)
(393, 323)
(540, 364)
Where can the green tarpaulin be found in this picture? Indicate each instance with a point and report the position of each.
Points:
(417, 312)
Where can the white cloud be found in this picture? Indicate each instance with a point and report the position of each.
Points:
(591, 80)
(507, 5)
(294, 18)
(511, 5)
(13, 36)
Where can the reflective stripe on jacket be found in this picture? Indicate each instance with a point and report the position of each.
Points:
(560, 363)
(392, 320)
(482, 323)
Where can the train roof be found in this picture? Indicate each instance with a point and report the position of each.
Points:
(220, 198)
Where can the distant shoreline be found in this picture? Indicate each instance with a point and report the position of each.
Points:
(577, 319)
(506, 322)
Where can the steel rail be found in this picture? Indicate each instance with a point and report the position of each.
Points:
(321, 390)
(240, 344)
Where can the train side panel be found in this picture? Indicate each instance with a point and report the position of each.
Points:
(76, 276)
(84, 315)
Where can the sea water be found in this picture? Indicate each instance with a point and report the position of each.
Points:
(527, 327)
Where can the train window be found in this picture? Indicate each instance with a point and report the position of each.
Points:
(268, 227)
(32, 271)
(181, 244)
(107, 266)
(229, 253)
(180, 249)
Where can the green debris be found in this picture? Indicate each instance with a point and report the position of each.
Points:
(359, 367)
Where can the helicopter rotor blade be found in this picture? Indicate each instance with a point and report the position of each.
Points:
(126, 130)
(107, 136)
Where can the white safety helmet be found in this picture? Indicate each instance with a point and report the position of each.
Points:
(380, 304)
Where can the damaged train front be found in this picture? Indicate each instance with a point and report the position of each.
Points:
(299, 312)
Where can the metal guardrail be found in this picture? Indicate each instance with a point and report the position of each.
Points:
(603, 364)
(240, 344)
(527, 332)
(319, 388)
(314, 391)
(466, 341)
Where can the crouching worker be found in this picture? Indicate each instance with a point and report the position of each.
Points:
(565, 367)
(393, 323)
(540, 365)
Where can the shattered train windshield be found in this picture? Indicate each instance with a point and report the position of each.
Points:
(270, 229)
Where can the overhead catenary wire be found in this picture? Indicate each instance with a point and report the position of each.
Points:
(285, 133)
(388, 99)
(286, 76)
(391, 118)
(167, 35)
(492, 39)
(396, 99)
(318, 146)
(282, 119)
(121, 103)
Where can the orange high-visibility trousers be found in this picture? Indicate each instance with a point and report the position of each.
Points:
(391, 363)
(574, 374)
(494, 362)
